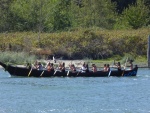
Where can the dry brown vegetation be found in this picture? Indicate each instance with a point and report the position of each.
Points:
(79, 43)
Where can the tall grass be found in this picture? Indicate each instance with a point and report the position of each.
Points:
(16, 57)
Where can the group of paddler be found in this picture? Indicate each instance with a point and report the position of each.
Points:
(83, 69)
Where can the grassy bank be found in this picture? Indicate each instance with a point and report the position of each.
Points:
(22, 58)
(140, 61)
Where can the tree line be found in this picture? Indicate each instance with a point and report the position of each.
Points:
(95, 29)
(63, 15)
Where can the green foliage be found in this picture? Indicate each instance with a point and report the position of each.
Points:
(84, 24)
(61, 15)
(80, 43)
(147, 3)
(128, 58)
(123, 4)
(54, 15)
(135, 16)
(16, 58)
(94, 13)
(35, 14)
(5, 15)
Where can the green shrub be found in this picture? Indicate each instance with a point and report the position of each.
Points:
(81, 43)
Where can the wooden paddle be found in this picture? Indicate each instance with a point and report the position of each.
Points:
(80, 69)
(68, 73)
(30, 72)
(78, 73)
(44, 70)
(57, 68)
(109, 73)
(125, 66)
(41, 73)
(55, 72)
(70, 68)
(110, 67)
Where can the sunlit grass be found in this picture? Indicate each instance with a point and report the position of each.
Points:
(17, 57)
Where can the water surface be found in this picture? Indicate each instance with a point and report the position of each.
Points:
(75, 95)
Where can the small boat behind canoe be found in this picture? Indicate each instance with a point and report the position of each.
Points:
(26, 72)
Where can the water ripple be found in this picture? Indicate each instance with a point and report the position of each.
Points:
(75, 95)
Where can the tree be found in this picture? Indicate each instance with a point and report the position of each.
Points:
(61, 15)
(34, 13)
(5, 15)
(94, 13)
(123, 4)
(135, 16)
(147, 3)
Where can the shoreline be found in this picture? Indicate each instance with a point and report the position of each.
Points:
(78, 63)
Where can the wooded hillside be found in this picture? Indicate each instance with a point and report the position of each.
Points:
(60, 15)
(75, 28)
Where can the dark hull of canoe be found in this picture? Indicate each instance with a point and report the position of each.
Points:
(25, 72)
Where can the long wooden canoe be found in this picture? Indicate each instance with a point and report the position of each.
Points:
(26, 72)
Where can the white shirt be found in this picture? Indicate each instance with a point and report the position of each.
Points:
(83, 69)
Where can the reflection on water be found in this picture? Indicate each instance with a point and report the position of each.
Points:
(75, 95)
